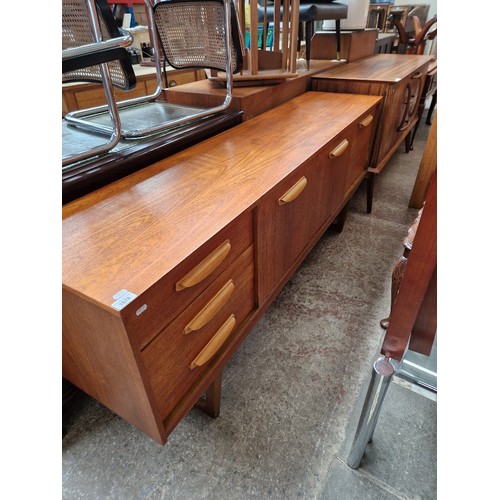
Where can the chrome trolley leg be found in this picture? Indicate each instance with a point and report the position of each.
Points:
(382, 373)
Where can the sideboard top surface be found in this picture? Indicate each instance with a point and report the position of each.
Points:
(129, 234)
(380, 68)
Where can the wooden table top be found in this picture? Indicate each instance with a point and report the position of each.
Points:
(379, 68)
(130, 233)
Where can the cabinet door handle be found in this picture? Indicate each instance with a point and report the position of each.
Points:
(339, 149)
(366, 121)
(404, 125)
(205, 267)
(211, 308)
(215, 343)
(416, 75)
(293, 192)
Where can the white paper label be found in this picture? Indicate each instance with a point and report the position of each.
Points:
(124, 297)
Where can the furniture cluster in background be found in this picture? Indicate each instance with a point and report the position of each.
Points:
(180, 257)
(380, 15)
(196, 284)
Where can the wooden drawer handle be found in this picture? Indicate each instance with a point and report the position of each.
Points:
(366, 121)
(214, 343)
(339, 149)
(293, 192)
(205, 267)
(212, 308)
(404, 125)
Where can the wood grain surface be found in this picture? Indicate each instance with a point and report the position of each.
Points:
(378, 68)
(134, 231)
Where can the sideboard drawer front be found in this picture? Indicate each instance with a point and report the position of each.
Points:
(159, 305)
(169, 357)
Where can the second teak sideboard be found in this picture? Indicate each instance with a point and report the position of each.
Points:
(399, 79)
(167, 270)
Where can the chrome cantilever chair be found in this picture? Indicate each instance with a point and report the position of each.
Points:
(93, 50)
(189, 34)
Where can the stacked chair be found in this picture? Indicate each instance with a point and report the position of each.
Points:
(185, 34)
(93, 50)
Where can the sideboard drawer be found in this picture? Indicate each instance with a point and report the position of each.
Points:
(165, 300)
(183, 351)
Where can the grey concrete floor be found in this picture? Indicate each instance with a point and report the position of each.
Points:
(292, 393)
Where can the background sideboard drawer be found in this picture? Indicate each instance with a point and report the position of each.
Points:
(345, 171)
(169, 356)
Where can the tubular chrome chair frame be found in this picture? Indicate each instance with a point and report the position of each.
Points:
(232, 64)
(98, 53)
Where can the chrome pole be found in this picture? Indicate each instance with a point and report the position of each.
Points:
(382, 373)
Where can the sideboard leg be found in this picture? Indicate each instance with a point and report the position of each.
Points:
(338, 225)
(210, 403)
(369, 191)
(382, 373)
(408, 141)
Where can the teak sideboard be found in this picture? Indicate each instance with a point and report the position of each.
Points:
(167, 270)
(400, 79)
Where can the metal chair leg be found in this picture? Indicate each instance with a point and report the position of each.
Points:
(382, 373)
(309, 34)
(337, 36)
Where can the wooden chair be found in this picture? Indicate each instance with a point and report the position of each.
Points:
(413, 44)
(93, 50)
(412, 324)
(194, 34)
